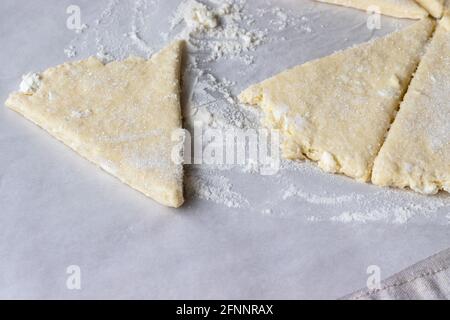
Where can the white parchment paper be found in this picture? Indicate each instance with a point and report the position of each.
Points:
(298, 234)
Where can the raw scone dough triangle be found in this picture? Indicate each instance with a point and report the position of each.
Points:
(337, 110)
(395, 8)
(417, 150)
(434, 7)
(120, 116)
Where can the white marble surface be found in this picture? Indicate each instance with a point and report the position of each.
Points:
(57, 209)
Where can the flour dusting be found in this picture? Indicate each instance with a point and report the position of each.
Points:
(230, 35)
(215, 188)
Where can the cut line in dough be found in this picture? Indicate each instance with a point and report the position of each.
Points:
(337, 110)
(408, 9)
(121, 116)
(434, 7)
(416, 153)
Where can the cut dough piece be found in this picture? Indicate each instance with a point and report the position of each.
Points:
(120, 116)
(434, 7)
(337, 110)
(417, 151)
(395, 8)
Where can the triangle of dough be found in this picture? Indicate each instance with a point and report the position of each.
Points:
(417, 150)
(434, 7)
(395, 8)
(120, 116)
(337, 110)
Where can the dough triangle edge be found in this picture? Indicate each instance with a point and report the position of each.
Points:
(121, 151)
(302, 87)
(434, 7)
(415, 154)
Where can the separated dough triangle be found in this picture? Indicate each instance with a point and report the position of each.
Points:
(434, 7)
(337, 110)
(120, 116)
(417, 150)
(395, 8)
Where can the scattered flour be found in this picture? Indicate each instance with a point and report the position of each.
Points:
(223, 35)
(396, 216)
(139, 42)
(70, 52)
(292, 191)
(30, 83)
(214, 97)
(218, 30)
(103, 56)
(217, 189)
(382, 206)
(82, 28)
(196, 15)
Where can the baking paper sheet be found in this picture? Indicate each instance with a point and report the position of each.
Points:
(299, 234)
